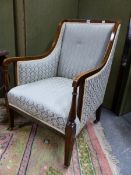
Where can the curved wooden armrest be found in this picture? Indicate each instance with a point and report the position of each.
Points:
(10, 60)
(81, 77)
(14, 60)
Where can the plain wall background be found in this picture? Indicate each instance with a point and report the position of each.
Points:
(42, 20)
(7, 36)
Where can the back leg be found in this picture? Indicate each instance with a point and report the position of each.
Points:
(10, 118)
(98, 114)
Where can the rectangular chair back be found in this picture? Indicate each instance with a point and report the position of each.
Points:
(83, 47)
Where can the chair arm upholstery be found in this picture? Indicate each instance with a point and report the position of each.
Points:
(94, 91)
(81, 78)
(33, 68)
(30, 71)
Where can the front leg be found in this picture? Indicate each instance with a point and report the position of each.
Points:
(10, 113)
(70, 132)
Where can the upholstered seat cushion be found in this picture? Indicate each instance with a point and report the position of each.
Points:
(48, 100)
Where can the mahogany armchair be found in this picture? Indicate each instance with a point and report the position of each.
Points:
(65, 86)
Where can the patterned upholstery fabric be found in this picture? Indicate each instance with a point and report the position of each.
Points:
(95, 87)
(83, 47)
(48, 100)
(30, 71)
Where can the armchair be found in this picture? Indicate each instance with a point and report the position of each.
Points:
(66, 85)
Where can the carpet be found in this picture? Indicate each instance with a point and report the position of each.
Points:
(33, 150)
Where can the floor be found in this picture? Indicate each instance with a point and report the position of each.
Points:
(118, 134)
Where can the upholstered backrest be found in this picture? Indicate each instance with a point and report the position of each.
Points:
(83, 47)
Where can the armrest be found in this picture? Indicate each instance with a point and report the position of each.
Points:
(94, 91)
(29, 69)
(10, 60)
(81, 78)
(34, 70)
